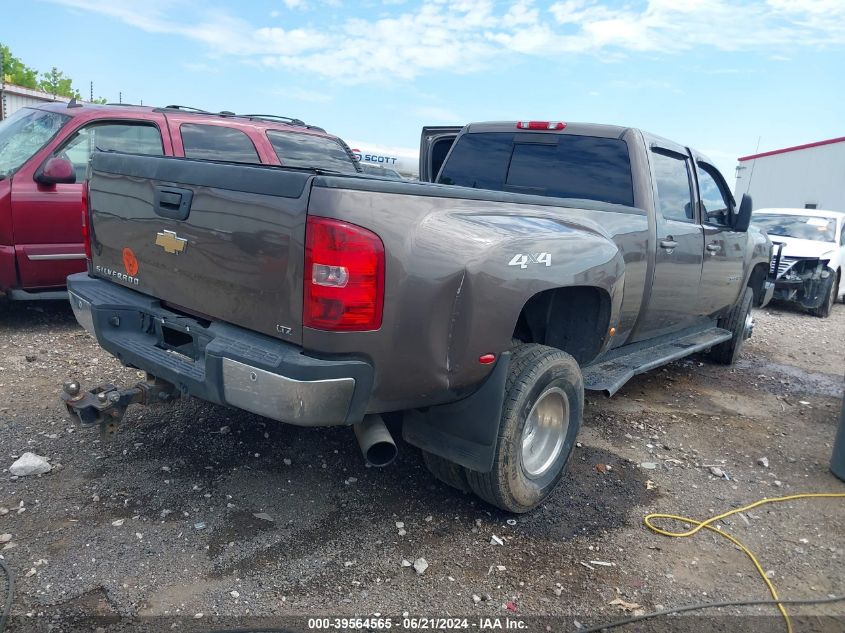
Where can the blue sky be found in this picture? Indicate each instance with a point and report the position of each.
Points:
(714, 74)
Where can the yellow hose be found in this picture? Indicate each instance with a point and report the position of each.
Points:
(698, 525)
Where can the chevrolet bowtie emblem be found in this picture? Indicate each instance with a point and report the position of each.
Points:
(171, 242)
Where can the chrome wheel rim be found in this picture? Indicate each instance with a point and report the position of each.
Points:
(544, 432)
(749, 325)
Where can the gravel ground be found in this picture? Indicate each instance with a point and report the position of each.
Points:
(198, 509)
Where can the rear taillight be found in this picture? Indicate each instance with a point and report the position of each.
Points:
(86, 231)
(540, 125)
(344, 276)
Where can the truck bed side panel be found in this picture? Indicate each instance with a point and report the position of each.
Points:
(451, 293)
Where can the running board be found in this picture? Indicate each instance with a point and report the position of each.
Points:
(43, 295)
(610, 375)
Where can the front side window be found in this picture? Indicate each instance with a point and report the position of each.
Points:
(802, 227)
(127, 137)
(559, 165)
(23, 134)
(674, 193)
(216, 142)
(311, 151)
(715, 205)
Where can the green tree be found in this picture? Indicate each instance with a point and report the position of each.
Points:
(57, 84)
(15, 71)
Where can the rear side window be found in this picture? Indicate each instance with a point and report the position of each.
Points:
(563, 166)
(311, 151)
(674, 194)
(215, 142)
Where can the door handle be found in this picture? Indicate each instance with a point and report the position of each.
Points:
(172, 202)
(171, 199)
(714, 248)
(668, 244)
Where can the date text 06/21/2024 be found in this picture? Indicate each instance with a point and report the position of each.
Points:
(416, 623)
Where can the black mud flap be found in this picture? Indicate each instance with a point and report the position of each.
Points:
(464, 432)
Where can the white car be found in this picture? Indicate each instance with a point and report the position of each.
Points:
(378, 170)
(810, 267)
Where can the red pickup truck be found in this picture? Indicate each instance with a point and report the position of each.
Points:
(44, 153)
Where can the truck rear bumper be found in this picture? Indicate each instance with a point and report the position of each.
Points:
(220, 362)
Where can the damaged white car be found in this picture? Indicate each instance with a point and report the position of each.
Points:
(808, 267)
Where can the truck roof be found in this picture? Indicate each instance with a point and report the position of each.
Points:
(589, 129)
(584, 129)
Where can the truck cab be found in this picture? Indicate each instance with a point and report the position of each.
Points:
(44, 156)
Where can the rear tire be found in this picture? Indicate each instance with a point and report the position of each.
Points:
(449, 473)
(823, 311)
(541, 415)
(737, 322)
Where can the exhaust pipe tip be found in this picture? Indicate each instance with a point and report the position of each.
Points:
(381, 454)
(377, 445)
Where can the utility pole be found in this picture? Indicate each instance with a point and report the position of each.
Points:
(91, 97)
(120, 97)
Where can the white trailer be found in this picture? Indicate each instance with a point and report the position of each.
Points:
(405, 160)
(13, 98)
(810, 176)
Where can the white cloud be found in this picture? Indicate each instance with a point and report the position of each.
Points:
(199, 67)
(301, 94)
(435, 115)
(463, 36)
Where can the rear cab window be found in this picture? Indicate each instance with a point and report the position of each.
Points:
(559, 165)
(311, 151)
(217, 142)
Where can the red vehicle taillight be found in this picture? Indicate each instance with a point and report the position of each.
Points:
(344, 276)
(86, 232)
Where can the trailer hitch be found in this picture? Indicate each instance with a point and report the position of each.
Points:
(106, 404)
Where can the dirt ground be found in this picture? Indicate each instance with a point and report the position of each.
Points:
(159, 525)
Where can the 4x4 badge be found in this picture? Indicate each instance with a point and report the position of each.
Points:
(171, 242)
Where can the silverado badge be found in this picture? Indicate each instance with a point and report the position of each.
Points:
(171, 242)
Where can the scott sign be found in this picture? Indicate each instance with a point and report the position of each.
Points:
(374, 158)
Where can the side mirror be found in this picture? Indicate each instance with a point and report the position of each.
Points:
(56, 171)
(742, 219)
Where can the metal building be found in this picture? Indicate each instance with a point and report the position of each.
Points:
(810, 176)
(13, 98)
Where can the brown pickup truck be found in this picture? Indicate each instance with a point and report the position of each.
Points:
(546, 259)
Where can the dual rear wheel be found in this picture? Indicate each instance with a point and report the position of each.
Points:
(543, 406)
(541, 416)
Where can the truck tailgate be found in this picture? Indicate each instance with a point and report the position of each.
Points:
(220, 241)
